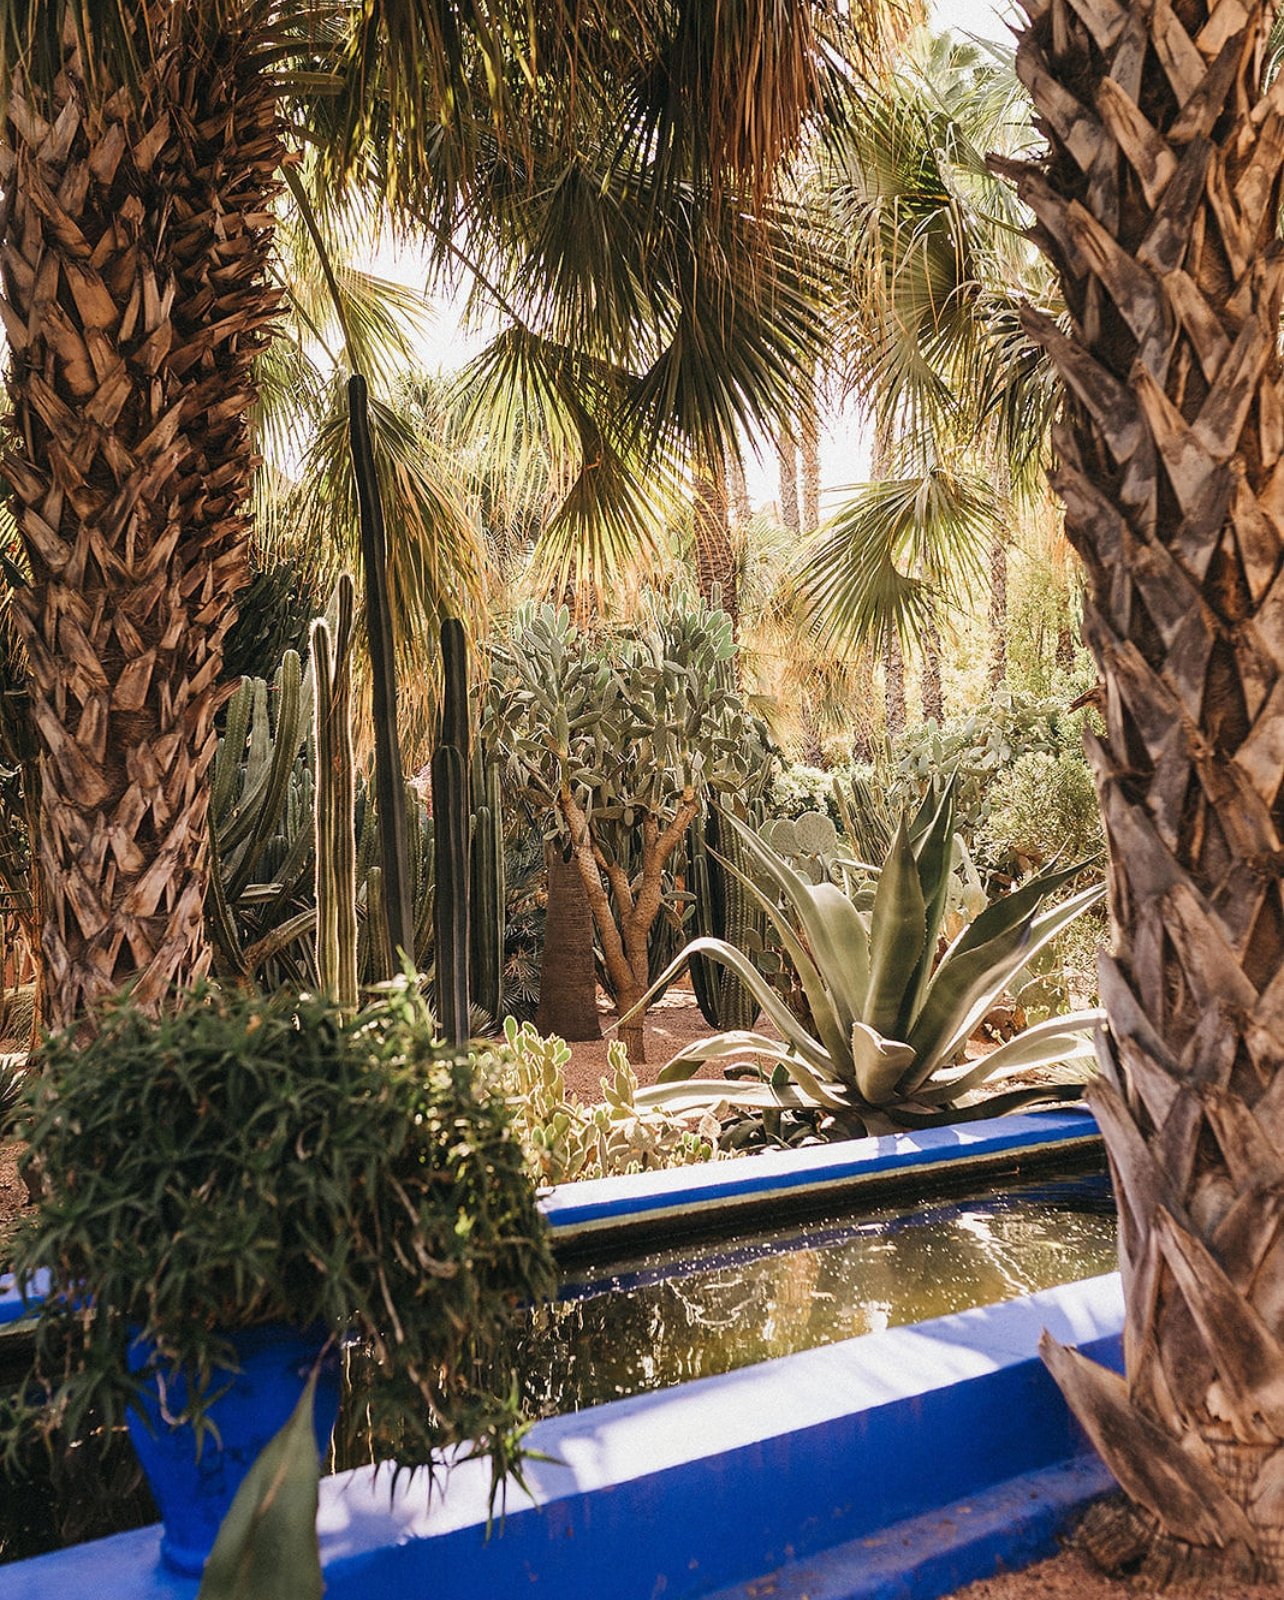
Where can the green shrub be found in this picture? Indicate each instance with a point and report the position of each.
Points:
(564, 1138)
(1044, 808)
(248, 1160)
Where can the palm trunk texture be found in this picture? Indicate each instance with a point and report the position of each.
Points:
(134, 238)
(1158, 205)
(717, 570)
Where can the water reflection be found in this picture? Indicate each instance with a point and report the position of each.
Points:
(665, 1318)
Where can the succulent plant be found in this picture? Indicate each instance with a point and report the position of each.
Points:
(889, 1021)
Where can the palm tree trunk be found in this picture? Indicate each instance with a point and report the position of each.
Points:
(894, 685)
(717, 571)
(997, 615)
(787, 456)
(134, 240)
(809, 497)
(933, 694)
(1158, 206)
(567, 976)
(737, 489)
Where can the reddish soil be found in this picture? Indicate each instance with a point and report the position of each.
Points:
(13, 1196)
(1069, 1577)
(673, 1021)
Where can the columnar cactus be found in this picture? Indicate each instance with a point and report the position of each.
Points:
(451, 818)
(486, 910)
(336, 849)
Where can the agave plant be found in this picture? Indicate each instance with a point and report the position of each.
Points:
(889, 1021)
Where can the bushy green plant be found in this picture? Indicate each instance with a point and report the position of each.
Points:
(1043, 808)
(978, 749)
(566, 1139)
(620, 738)
(797, 788)
(890, 1020)
(246, 1160)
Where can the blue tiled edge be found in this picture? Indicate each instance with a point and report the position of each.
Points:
(12, 1303)
(692, 1490)
(602, 1204)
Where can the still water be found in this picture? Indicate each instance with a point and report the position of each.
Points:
(662, 1319)
(655, 1320)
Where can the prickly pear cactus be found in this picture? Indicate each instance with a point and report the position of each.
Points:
(566, 1139)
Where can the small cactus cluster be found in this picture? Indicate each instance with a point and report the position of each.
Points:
(566, 1139)
(468, 813)
(261, 906)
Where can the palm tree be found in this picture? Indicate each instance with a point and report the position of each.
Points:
(934, 268)
(143, 160)
(1158, 205)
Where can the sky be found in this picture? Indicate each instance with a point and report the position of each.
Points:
(447, 344)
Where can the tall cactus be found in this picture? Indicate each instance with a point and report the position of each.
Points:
(723, 910)
(336, 845)
(451, 821)
(390, 783)
(486, 909)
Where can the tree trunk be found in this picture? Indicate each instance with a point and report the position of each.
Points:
(809, 498)
(737, 489)
(894, 685)
(998, 612)
(787, 456)
(135, 235)
(933, 694)
(567, 974)
(1158, 207)
(717, 571)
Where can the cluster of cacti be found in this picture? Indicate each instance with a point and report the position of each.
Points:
(390, 785)
(335, 802)
(723, 909)
(810, 844)
(487, 885)
(451, 816)
(261, 905)
(567, 1139)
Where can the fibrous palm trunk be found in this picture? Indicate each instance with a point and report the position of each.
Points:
(932, 692)
(1158, 206)
(809, 460)
(717, 570)
(787, 460)
(134, 236)
(894, 685)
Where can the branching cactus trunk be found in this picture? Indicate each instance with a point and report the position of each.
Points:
(336, 792)
(624, 929)
(1158, 205)
(135, 236)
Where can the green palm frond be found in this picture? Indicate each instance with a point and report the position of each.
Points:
(893, 551)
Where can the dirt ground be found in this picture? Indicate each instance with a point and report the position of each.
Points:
(1069, 1577)
(673, 1021)
(13, 1196)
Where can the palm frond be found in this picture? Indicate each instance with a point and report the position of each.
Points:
(894, 550)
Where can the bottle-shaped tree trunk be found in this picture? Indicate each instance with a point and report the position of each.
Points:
(568, 974)
(1159, 206)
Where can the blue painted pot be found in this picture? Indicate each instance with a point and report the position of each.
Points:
(194, 1494)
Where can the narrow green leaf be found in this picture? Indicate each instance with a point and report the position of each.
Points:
(267, 1547)
(898, 926)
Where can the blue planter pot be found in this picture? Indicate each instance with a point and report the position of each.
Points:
(193, 1494)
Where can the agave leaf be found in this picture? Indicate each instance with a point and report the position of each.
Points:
(1065, 1038)
(841, 950)
(935, 856)
(898, 927)
(879, 1063)
(962, 990)
(998, 1105)
(267, 1547)
(791, 1029)
(821, 988)
(1014, 908)
(717, 1047)
(1008, 958)
(819, 998)
(700, 1094)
